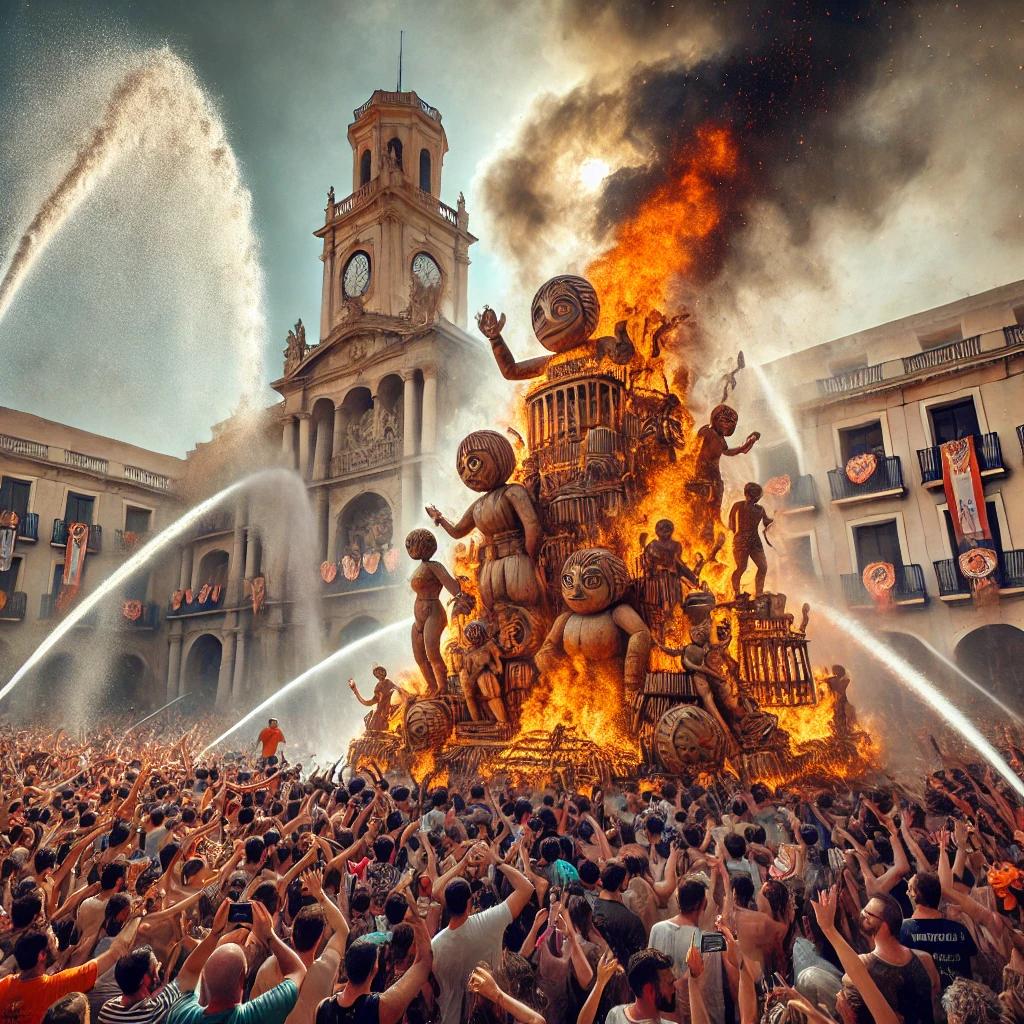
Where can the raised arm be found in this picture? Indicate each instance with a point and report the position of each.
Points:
(490, 325)
(396, 999)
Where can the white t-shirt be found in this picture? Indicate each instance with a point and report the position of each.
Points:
(617, 1015)
(456, 953)
(674, 940)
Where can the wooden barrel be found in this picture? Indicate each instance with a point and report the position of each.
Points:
(428, 723)
(687, 737)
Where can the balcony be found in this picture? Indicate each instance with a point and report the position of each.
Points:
(90, 463)
(851, 380)
(990, 460)
(967, 348)
(13, 609)
(195, 606)
(1014, 335)
(954, 586)
(59, 537)
(148, 620)
(129, 541)
(147, 478)
(802, 497)
(28, 527)
(215, 522)
(887, 480)
(21, 446)
(383, 452)
(909, 588)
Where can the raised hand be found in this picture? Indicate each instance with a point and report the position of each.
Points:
(825, 908)
(490, 323)
(313, 879)
(482, 982)
(434, 513)
(607, 968)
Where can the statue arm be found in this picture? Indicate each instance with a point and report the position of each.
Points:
(495, 656)
(446, 579)
(523, 505)
(734, 518)
(551, 650)
(457, 530)
(525, 369)
(638, 647)
(359, 696)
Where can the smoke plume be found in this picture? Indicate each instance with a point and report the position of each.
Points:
(842, 115)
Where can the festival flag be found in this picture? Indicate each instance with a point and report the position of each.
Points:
(132, 610)
(328, 571)
(879, 578)
(8, 537)
(965, 495)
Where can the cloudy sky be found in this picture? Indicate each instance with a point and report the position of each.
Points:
(128, 323)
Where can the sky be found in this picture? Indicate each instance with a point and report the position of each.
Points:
(129, 322)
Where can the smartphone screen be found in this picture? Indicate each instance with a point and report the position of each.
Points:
(712, 942)
(240, 913)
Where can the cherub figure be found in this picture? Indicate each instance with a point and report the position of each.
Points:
(480, 675)
(383, 711)
(745, 518)
(565, 313)
(707, 477)
(663, 556)
(429, 618)
(504, 515)
(694, 656)
(599, 627)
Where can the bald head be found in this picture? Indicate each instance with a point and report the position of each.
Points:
(224, 975)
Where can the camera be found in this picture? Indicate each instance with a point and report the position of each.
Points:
(240, 913)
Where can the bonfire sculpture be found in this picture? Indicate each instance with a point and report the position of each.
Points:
(556, 672)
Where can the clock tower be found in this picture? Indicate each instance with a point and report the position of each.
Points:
(361, 416)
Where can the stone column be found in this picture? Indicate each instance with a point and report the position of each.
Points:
(322, 453)
(287, 440)
(408, 511)
(304, 445)
(227, 669)
(238, 685)
(251, 553)
(185, 573)
(173, 666)
(339, 435)
(428, 422)
(237, 566)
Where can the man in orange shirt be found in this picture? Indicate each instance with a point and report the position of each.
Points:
(270, 739)
(26, 996)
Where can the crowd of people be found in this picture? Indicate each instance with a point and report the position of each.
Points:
(141, 884)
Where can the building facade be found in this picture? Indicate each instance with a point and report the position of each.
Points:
(51, 476)
(360, 421)
(897, 392)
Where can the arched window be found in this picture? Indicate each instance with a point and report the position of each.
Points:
(395, 151)
(425, 170)
(364, 167)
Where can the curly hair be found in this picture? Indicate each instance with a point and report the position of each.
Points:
(967, 1002)
(421, 544)
(612, 568)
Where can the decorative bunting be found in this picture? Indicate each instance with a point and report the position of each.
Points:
(215, 592)
(204, 593)
(371, 562)
(350, 567)
(176, 598)
(328, 571)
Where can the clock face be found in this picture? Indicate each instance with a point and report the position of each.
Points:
(356, 278)
(426, 270)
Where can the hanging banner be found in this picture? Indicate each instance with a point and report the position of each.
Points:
(371, 562)
(74, 564)
(204, 593)
(965, 495)
(778, 486)
(879, 578)
(328, 571)
(391, 559)
(8, 538)
(132, 610)
(350, 567)
(176, 598)
(215, 592)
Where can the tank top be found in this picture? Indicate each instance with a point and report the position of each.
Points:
(365, 1010)
(906, 987)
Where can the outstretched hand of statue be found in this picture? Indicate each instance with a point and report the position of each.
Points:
(435, 514)
(490, 323)
(352, 685)
(753, 436)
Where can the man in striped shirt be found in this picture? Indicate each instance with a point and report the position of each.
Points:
(143, 1001)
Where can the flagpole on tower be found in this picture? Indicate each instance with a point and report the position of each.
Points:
(401, 35)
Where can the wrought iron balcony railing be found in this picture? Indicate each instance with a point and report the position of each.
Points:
(942, 354)
(1014, 335)
(13, 609)
(28, 527)
(886, 479)
(909, 588)
(59, 536)
(850, 380)
(987, 447)
(803, 495)
(953, 584)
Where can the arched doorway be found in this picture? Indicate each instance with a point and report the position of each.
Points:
(360, 626)
(994, 657)
(202, 668)
(213, 569)
(127, 689)
(364, 525)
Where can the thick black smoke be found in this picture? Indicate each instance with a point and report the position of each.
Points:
(779, 75)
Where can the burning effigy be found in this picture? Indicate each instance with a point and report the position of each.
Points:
(598, 625)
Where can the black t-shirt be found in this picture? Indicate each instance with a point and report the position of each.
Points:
(622, 929)
(365, 1010)
(906, 987)
(949, 943)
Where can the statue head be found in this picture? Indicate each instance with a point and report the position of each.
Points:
(476, 632)
(565, 312)
(485, 460)
(723, 631)
(752, 491)
(724, 419)
(664, 528)
(421, 544)
(593, 579)
(380, 672)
